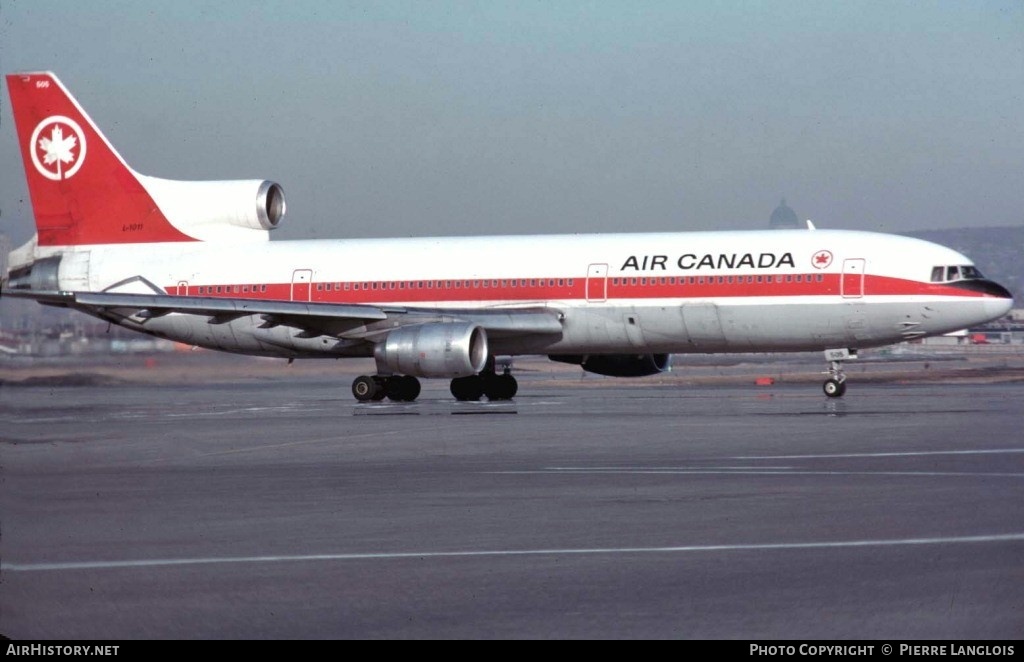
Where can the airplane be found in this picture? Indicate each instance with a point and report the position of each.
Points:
(191, 261)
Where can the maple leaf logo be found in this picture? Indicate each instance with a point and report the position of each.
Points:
(821, 259)
(58, 147)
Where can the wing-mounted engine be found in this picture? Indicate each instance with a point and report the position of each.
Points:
(233, 210)
(437, 349)
(618, 365)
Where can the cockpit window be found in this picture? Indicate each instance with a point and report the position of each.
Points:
(956, 272)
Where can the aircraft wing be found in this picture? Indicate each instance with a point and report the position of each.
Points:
(311, 319)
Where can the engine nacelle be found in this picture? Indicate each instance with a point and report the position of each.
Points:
(219, 209)
(436, 349)
(618, 365)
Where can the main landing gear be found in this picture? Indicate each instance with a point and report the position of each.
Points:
(494, 386)
(397, 388)
(835, 385)
(405, 388)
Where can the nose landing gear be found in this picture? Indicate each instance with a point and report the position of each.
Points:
(835, 385)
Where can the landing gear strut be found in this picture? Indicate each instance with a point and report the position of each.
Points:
(397, 388)
(835, 385)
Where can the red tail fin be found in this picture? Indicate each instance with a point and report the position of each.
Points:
(82, 190)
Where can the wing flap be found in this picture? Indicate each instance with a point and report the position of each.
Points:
(218, 309)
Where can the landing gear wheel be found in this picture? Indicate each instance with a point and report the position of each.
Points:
(835, 385)
(834, 388)
(365, 388)
(402, 388)
(382, 388)
(500, 387)
(467, 389)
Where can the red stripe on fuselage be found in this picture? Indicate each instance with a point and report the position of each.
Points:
(567, 289)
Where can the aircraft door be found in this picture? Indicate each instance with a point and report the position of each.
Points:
(597, 283)
(182, 288)
(301, 279)
(852, 284)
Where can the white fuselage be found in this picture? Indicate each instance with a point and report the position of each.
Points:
(782, 290)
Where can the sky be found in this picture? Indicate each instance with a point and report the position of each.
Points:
(470, 118)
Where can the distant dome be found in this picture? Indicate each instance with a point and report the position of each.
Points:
(783, 218)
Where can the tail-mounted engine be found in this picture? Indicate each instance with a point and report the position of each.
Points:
(216, 210)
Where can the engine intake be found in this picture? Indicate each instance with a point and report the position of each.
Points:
(270, 205)
(214, 210)
(437, 349)
(617, 365)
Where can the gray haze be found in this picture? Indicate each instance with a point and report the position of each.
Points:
(401, 119)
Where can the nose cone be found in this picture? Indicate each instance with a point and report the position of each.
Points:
(998, 307)
(998, 300)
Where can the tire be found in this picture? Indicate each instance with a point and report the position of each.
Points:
(467, 389)
(500, 387)
(403, 389)
(834, 388)
(382, 388)
(364, 388)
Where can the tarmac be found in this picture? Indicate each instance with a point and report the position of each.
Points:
(582, 509)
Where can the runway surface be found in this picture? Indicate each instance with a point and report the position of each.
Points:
(283, 509)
